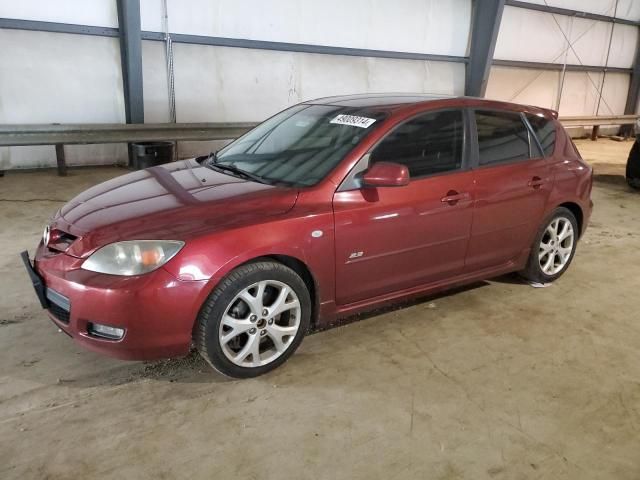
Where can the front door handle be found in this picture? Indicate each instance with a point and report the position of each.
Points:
(536, 182)
(452, 197)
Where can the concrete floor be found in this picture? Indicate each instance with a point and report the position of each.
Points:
(500, 380)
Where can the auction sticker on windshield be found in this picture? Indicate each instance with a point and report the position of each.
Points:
(353, 121)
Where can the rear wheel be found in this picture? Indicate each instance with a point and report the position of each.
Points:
(254, 320)
(554, 247)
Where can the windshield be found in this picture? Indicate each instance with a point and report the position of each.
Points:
(300, 145)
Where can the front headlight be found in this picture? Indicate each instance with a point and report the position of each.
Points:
(133, 257)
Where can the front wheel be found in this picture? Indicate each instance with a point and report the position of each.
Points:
(554, 247)
(254, 320)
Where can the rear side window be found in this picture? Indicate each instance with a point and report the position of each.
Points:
(502, 137)
(545, 130)
(427, 145)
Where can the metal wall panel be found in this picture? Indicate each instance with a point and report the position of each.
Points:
(580, 97)
(52, 77)
(579, 91)
(101, 13)
(629, 9)
(154, 82)
(546, 42)
(423, 26)
(232, 84)
(528, 86)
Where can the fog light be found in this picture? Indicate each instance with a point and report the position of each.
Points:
(106, 331)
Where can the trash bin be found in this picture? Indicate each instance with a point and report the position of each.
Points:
(150, 154)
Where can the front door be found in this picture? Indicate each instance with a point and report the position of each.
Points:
(393, 238)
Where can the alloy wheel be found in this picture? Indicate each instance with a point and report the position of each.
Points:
(556, 246)
(260, 323)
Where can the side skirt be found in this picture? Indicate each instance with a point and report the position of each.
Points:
(342, 311)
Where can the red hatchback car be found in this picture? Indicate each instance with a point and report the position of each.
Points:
(330, 207)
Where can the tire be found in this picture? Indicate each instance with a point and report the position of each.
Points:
(261, 308)
(550, 257)
(633, 166)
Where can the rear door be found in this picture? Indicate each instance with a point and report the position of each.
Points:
(513, 181)
(393, 238)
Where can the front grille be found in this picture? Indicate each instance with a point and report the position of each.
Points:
(59, 305)
(60, 313)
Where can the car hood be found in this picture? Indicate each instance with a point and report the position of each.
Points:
(176, 201)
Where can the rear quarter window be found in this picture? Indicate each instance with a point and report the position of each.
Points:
(545, 130)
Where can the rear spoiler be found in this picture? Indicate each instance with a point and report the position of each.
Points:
(546, 111)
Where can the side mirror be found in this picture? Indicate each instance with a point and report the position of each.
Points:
(386, 174)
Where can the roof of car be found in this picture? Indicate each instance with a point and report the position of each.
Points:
(393, 101)
(377, 99)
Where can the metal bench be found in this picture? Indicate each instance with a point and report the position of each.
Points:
(70, 134)
(596, 121)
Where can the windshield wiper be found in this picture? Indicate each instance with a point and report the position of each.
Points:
(232, 169)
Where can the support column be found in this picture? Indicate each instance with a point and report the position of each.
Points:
(61, 160)
(485, 24)
(131, 54)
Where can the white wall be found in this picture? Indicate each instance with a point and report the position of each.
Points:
(101, 13)
(522, 85)
(423, 26)
(547, 42)
(59, 78)
(232, 84)
(237, 84)
(52, 77)
(534, 36)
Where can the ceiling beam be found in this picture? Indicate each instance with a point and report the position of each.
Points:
(570, 13)
(56, 27)
(559, 66)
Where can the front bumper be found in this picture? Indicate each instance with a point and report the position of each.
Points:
(156, 311)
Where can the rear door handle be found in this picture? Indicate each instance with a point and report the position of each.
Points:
(452, 197)
(536, 182)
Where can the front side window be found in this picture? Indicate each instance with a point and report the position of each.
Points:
(300, 145)
(502, 137)
(427, 145)
(545, 130)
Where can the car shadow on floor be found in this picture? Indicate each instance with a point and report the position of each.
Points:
(610, 179)
(510, 279)
(615, 186)
(190, 369)
(399, 306)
